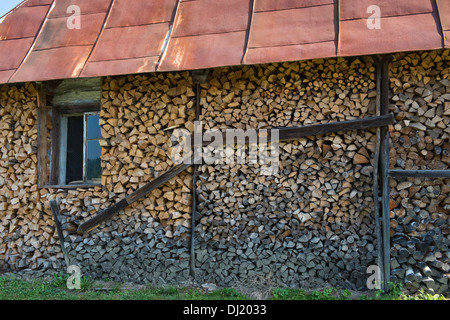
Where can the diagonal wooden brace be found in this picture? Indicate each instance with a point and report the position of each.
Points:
(284, 135)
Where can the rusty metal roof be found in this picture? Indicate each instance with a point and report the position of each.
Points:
(136, 36)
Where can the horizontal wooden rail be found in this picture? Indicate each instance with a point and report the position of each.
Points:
(398, 173)
(333, 127)
(284, 134)
(293, 133)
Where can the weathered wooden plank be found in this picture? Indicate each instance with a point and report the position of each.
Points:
(55, 210)
(138, 194)
(55, 148)
(398, 173)
(384, 174)
(334, 127)
(376, 167)
(293, 133)
(159, 181)
(42, 165)
(72, 92)
(194, 193)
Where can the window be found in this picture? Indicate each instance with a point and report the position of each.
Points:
(80, 149)
(76, 150)
(68, 139)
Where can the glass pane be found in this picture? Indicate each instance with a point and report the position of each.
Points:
(93, 165)
(74, 160)
(93, 127)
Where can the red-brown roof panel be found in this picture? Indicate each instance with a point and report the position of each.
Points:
(126, 13)
(351, 9)
(5, 75)
(206, 17)
(51, 64)
(207, 34)
(32, 3)
(55, 33)
(444, 14)
(205, 51)
(23, 22)
(401, 33)
(447, 38)
(120, 67)
(61, 8)
(132, 39)
(13, 52)
(270, 5)
(290, 53)
(293, 26)
(130, 42)
(133, 36)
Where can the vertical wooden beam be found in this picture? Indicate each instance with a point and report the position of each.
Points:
(384, 174)
(194, 192)
(42, 112)
(198, 77)
(376, 194)
(55, 147)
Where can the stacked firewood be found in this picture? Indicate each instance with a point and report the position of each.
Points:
(26, 227)
(313, 219)
(138, 116)
(421, 140)
(420, 229)
(421, 102)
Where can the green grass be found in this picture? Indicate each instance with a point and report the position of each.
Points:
(55, 289)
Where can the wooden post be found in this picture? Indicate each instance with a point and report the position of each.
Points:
(384, 174)
(376, 164)
(194, 193)
(55, 210)
(42, 111)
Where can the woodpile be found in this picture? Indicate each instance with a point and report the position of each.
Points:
(26, 224)
(421, 103)
(139, 114)
(314, 218)
(309, 224)
(421, 140)
(137, 118)
(420, 233)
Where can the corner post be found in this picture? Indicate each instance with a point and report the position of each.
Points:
(198, 77)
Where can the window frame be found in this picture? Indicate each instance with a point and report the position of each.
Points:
(58, 155)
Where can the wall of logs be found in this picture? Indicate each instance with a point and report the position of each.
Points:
(420, 237)
(312, 220)
(310, 224)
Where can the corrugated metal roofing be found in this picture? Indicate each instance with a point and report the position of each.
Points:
(135, 36)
